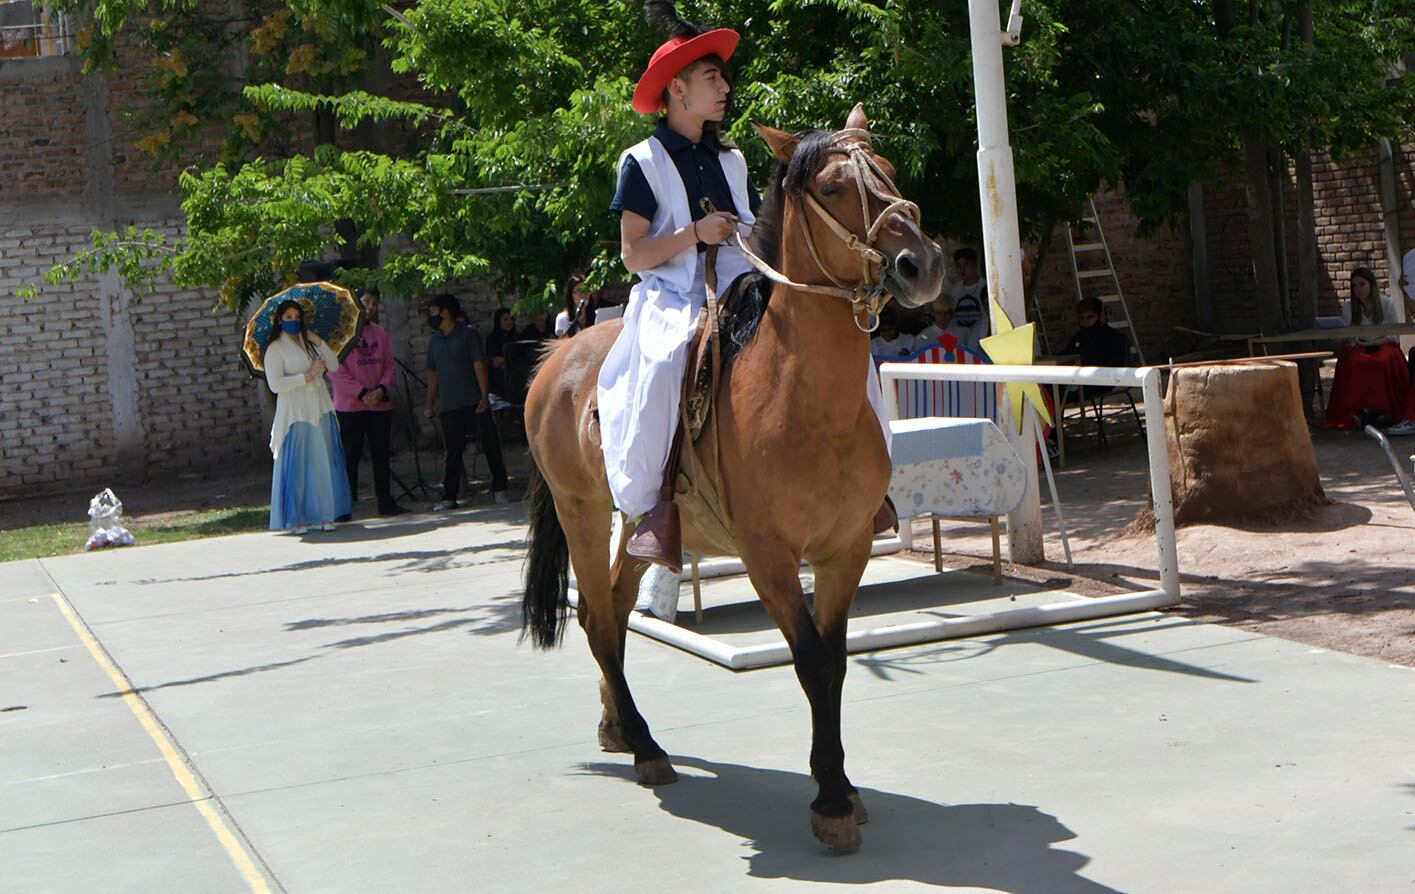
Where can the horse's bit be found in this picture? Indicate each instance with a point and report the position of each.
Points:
(869, 296)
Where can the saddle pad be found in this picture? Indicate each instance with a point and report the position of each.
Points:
(954, 467)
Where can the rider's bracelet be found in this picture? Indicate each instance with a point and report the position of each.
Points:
(695, 232)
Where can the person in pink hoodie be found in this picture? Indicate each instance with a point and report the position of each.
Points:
(363, 386)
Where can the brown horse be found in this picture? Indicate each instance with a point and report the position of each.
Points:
(803, 464)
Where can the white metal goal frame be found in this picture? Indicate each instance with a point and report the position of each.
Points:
(1147, 379)
(938, 629)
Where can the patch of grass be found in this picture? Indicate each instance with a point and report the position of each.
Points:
(44, 541)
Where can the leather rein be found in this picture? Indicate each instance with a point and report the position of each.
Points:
(868, 297)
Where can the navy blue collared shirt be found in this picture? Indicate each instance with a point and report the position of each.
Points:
(699, 166)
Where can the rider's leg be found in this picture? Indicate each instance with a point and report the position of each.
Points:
(885, 516)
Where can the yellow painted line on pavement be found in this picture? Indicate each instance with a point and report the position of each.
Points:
(218, 823)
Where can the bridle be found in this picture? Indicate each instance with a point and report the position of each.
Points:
(869, 296)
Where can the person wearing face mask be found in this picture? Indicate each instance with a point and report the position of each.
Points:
(363, 388)
(310, 485)
(458, 389)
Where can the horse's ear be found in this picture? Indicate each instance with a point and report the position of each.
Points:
(857, 120)
(783, 145)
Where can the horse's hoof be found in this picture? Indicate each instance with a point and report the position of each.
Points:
(862, 815)
(655, 771)
(610, 740)
(839, 833)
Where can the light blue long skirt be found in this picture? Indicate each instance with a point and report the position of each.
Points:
(310, 485)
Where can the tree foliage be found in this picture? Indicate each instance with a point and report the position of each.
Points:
(317, 123)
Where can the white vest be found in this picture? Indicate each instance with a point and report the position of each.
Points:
(673, 212)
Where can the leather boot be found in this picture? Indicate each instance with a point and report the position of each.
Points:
(886, 518)
(659, 537)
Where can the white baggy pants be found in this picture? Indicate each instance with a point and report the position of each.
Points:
(641, 381)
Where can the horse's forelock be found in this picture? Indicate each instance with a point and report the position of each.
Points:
(806, 161)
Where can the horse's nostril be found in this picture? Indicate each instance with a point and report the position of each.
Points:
(905, 268)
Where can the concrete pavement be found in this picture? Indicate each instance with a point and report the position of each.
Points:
(353, 713)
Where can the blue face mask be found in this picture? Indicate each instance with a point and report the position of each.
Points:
(291, 327)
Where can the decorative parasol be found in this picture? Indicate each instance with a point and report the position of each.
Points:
(331, 311)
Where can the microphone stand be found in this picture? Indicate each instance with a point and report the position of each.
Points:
(407, 373)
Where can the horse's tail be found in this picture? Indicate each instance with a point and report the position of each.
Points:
(544, 606)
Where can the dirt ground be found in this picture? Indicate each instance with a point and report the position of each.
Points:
(1343, 579)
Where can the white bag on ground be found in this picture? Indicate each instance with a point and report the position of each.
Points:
(105, 522)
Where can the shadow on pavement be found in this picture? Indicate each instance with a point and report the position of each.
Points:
(421, 561)
(995, 847)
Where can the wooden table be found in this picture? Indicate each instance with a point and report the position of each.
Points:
(1340, 334)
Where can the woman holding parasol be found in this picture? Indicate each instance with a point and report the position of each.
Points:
(310, 485)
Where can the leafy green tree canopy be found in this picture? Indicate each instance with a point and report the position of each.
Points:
(408, 127)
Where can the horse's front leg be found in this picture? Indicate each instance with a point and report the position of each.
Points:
(774, 571)
(836, 581)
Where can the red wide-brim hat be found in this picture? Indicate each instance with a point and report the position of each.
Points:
(674, 56)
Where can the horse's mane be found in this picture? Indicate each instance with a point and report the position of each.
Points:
(746, 299)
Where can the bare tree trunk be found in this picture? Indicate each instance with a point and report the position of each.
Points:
(1277, 183)
(1304, 312)
(1262, 246)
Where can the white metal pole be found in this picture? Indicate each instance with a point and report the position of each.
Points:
(1158, 444)
(1002, 250)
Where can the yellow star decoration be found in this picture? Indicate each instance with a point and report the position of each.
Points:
(1012, 346)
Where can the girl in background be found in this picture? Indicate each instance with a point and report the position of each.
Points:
(503, 332)
(310, 485)
(1372, 377)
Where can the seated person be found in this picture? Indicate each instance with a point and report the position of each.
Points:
(1096, 343)
(889, 341)
(1372, 376)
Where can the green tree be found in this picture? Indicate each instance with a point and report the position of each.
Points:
(355, 124)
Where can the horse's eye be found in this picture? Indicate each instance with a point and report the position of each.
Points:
(828, 191)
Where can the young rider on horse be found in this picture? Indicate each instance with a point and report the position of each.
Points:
(664, 234)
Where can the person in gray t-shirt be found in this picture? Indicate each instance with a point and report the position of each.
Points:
(457, 388)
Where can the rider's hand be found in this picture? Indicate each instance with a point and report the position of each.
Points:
(716, 227)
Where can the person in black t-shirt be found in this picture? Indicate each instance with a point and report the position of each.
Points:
(1097, 343)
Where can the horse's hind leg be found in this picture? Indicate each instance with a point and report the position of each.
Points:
(605, 623)
(624, 575)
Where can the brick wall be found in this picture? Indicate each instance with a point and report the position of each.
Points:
(55, 423)
(199, 407)
(1350, 233)
(196, 407)
(42, 135)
